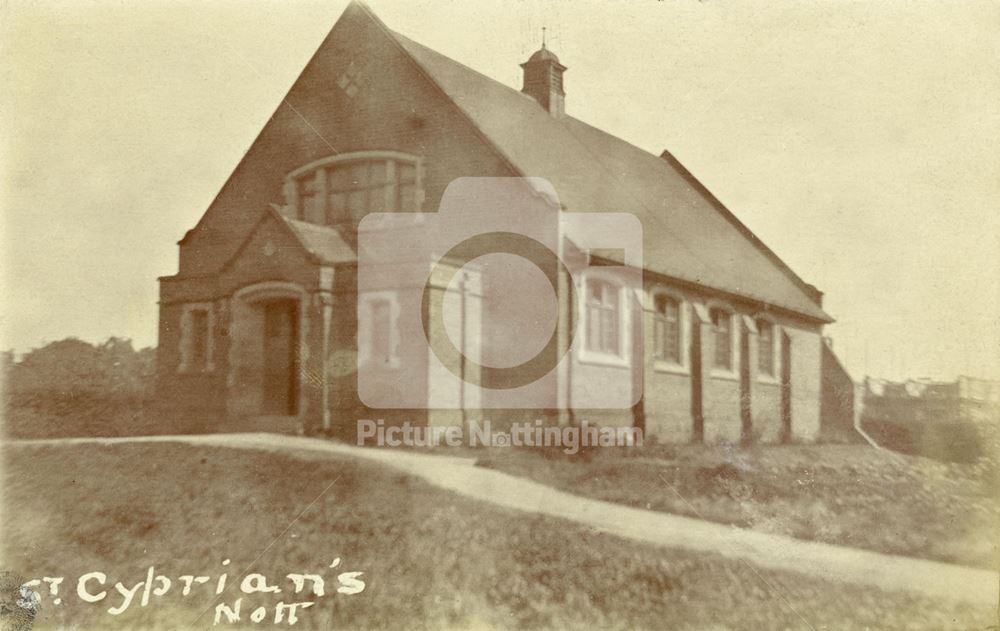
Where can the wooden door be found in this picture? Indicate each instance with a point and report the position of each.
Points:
(280, 365)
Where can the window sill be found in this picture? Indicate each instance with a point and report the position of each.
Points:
(662, 365)
(386, 220)
(207, 370)
(768, 380)
(726, 375)
(603, 359)
(392, 364)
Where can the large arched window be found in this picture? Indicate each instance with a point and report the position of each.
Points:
(345, 187)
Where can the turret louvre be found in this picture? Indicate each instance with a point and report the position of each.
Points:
(543, 81)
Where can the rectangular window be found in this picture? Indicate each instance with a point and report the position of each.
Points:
(722, 322)
(378, 332)
(196, 338)
(603, 316)
(765, 342)
(381, 336)
(199, 339)
(667, 329)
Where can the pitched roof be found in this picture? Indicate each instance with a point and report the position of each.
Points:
(690, 235)
(323, 242)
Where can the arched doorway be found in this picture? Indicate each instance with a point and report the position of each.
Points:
(267, 349)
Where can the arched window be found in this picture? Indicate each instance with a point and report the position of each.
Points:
(667, 328)
(722, 325)
(345, 187)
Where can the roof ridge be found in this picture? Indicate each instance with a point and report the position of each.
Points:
(477, 97)
(725, 211)
(516, 91)
(458, 63)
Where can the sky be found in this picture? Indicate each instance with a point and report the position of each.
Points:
(857, 139)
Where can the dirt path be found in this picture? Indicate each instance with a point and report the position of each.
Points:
(887, 572)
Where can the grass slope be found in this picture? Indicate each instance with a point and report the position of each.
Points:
(431, 560)
(847, 495)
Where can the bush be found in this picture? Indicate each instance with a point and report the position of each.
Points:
(72, 388)
(949, 441)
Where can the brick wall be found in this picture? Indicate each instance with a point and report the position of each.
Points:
(805, 382)
(669, 400)
(669, 392)
(767, 412)
(668, 407)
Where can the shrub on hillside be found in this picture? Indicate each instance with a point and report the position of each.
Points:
(72, 388)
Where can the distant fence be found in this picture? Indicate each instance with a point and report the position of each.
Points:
(957, 420)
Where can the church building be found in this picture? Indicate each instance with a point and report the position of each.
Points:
(264, 328)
